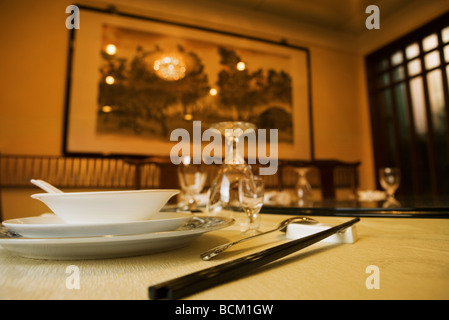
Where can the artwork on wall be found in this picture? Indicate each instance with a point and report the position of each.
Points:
(133, 80)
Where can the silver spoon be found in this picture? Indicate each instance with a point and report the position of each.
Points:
(219, 249)
(45, 186)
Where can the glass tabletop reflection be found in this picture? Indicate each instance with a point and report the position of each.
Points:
(409, 207)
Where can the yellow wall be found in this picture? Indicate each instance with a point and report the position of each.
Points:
(33, 61)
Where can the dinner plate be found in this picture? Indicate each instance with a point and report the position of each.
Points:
(100, 247)
(50, 226)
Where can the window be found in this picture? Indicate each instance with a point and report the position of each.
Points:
(409, 101)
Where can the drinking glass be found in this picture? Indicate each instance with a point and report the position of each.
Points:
(192, 178)
(389, 180)
(251, 193)
(224, 190)
(303, 189)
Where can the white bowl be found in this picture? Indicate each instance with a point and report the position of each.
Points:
(106, 206)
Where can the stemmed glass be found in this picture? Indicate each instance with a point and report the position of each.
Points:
(251, 194)
(389, 180)
(303, 189)
(192, 178)
(224, 190)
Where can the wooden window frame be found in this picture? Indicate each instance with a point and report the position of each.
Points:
(372, 61)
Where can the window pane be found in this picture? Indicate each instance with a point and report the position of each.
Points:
(384, 104)
(446, 53)
(403, 125)
(383, 80)
(401, 105)
(396, 58)
(412, 51)
(414, 67)
(432, 60)
(445, 34)
(430, 42)
(447, 73)
(382, 65)
(398, 73)
(436, 95)
(418, 106)
(420, 124)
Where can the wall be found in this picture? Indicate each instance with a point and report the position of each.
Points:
(33, 64)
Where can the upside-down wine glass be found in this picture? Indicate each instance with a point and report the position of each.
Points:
(389, 180)
(303, 189)
(224, 191)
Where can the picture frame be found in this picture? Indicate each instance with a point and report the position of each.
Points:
(118, 105)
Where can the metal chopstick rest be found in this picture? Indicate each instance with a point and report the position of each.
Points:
(195, 282)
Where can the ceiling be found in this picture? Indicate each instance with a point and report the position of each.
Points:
(339, 15)
(332, 23)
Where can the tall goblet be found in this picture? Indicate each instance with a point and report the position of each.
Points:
(251, 194)
(224, 191)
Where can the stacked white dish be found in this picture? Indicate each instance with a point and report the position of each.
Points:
(51, 226)
(109, 224)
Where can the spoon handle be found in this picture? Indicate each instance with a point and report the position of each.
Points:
(45, 186)
(209, 254)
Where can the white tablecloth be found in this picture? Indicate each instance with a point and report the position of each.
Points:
(411, 256)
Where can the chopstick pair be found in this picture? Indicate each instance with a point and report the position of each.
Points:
(195, 282)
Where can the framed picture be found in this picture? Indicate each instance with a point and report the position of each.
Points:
(133, 80)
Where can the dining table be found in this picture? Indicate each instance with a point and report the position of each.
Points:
(393, 256)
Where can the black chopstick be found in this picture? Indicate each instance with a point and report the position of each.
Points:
(195, 282)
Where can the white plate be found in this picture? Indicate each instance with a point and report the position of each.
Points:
(110, 246)
(50, 226)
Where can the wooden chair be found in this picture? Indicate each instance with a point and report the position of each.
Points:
(332, 174)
